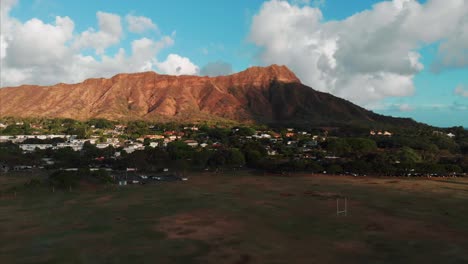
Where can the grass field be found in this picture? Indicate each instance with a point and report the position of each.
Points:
(243, 218)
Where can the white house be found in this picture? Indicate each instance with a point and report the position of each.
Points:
(32, 147)
(262, 135)
(75, 147)
(6, 138)
(191, 143)
(102, 145)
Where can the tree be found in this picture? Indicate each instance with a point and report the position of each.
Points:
(334, 169)
(100, 123)
(245, 131)
(201, 158)
(409, 155)
(235, 158)
(179, 150)
(362, 145)
(253, 157)
(338, 146)
(64, 179)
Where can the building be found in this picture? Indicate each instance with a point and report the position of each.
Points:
(33, 147)
(75, 147)
(192, 143)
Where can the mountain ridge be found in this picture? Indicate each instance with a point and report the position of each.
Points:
(272, 94)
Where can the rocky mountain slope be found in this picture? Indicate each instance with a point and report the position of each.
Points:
(259, 94)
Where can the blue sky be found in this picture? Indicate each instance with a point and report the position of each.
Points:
(238, 34)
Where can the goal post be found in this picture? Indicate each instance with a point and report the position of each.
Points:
(342, 211)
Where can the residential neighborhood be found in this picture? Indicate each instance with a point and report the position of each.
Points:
(62, 144)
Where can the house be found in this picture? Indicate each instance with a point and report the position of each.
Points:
(290, 134)
(102, 145)
(169, 133)
(35, 126)
(2, 126)
(262, 135)
(153, 144)
(387, 134)
(217, 145)
(203, 145)
(135, 146)
(22, 167)
(193, 128)
(192, 143)
(450, 135)
(120, 127)
(75, 147)
(272, 152)
(153, 137)
(113, 141)
(275, 135)
(33, 147)
(6, 138)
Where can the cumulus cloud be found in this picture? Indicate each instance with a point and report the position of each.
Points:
(216, 68)
(110, 32)
(461, 91)
(177, 65)
(140, 24)
(317, 3)
(368, 56)
(35, 52)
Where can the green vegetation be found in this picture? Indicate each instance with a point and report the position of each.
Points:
(413, 151)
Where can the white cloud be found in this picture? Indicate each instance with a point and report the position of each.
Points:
(461, 91)
(368, 56)
(316, 3)
(177, 65)
(35, 52)
(110, 33)
(35, 43)
(140, 24)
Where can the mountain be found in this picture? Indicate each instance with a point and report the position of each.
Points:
(259, 94)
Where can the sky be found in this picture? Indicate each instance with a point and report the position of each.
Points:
(403, 58)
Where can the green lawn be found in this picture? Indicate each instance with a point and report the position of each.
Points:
(243, 218)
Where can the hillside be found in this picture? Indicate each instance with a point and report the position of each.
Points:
(259, 94)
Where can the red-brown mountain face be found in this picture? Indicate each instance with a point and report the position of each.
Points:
(259, 94)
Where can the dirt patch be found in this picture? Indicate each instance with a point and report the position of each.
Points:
(103, 199)
(199, 225)
(355, 247)
(323, 195)
(392, 182)
(406, 228)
